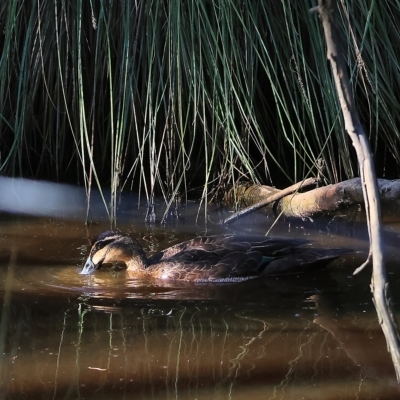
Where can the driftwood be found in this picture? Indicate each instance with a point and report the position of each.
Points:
(326, 199)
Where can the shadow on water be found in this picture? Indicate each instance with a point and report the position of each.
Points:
(69, 336)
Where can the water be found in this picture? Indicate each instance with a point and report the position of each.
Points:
(68, 336)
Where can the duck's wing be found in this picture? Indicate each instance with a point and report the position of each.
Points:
(225, 258)
(229, 243)
(200, 266)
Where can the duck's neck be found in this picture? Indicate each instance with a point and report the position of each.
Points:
(137, 267)
(137, 263)
(136, 260)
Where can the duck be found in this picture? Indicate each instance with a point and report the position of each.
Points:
(221, 258)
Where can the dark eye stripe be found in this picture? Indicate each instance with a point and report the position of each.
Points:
(101, 244)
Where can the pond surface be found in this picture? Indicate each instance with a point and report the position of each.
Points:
(68, 336)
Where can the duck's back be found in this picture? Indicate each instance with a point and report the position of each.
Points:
(231, 258)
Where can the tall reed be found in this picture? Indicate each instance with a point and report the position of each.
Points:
(163, 96)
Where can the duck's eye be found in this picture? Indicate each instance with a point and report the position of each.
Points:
(101, 244)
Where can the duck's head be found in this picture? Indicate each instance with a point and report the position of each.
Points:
(114, 248)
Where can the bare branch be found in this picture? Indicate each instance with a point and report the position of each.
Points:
(379, 286)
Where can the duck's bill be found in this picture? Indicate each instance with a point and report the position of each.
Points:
(88, 268)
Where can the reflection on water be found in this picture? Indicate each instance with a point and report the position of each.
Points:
(70, 336)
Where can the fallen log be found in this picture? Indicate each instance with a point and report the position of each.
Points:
(318, 201)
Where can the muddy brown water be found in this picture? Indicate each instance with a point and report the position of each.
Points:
(67, 336)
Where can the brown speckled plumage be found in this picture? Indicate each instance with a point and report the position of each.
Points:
(224, 258)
